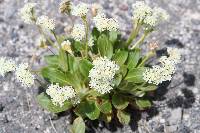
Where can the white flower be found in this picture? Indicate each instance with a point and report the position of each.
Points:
(66, 45)
(6, 66)
(102, 23)
(75, 100)
(141, 10)
(174, 55)
(91, 41)
(113, 25)
(102, 75)
(158, 74)
(153, 75)
(26, 13)
(23, 75)
(60, 94)
(46, 23)
(145, 14)
(161, 13)
(80, 10)
(151, 20)
(78, 32)
(158, 15)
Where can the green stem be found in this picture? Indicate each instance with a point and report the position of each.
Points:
(42, 33)
(86, 35)
(134, 33)
(149, 55)
(140, 41)
(54, 34)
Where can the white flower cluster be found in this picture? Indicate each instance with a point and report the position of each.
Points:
(174, 55)
(23, 75)
(80, 10)
(60, 94)
(46, 23)
(102, 23)
(102, 75)
(147, 15)
(6, 66)
(26, 12)
(78, 32)
(157, 74)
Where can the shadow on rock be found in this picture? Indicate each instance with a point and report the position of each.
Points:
(114, 125)
(189, 79)
(161, 91)
(174, 42)
(184, 101)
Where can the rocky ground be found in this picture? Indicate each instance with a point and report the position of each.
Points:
(176, 105)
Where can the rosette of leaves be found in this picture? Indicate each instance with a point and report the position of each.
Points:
(130, 89)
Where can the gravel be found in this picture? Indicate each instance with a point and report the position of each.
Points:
(176, 104)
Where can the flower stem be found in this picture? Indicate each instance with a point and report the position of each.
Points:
(140, 41)
(149, 55)
(86, 35)
(134, 33)
(54, 34)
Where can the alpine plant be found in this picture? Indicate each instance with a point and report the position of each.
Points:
(93, 70)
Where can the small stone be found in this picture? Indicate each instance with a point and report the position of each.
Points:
(160, 129)
(162, 121)
(175, 117)
(186, 116)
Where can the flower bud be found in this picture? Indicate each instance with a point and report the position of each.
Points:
(153, 46)
(42, 42)
(95, 8)
(65, 6)
(66, 45)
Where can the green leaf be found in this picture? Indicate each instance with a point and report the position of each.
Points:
(143, 103)
(120, 57)
(85, 66)
(147, 88)
(63, 61)
(73, 63)
(123, 70)
(133, 58)
(51, 60)
(106, 117)
(54, 75)
(105, 47)
(131, 88)
(103, 104)
(78, 125)
(88, 109)
(119, 101)
(137, 93)
(123, 117)
(47, 104)
(78, 46)
(135, 75)
(95, 33)
(113, 36)
(117, 80)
